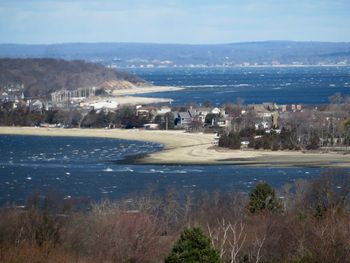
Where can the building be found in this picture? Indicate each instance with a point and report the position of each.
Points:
(163, 110)
(36, 105)
(68, 95)
(183, 119)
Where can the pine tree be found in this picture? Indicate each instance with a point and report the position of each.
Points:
(263, 198)
(192, 247)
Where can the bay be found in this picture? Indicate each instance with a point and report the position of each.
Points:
(91, 168)
(283, 85)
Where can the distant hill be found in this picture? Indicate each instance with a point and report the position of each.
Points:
(40, 77)
(137, 54)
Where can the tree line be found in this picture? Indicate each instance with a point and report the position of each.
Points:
(308, 221)
(125, 117)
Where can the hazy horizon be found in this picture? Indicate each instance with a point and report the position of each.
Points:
(168, 43)
(174, 22)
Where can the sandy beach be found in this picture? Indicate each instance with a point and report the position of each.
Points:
(126, 96)
(143, 90)
(194, 148)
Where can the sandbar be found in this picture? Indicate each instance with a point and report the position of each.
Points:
(195, 148)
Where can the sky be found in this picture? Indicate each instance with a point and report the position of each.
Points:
(173, 21)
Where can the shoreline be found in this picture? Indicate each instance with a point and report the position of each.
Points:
(193, 148)
(132, 96)
(144, 90)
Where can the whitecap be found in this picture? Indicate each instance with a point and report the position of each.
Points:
(29, 178)
(195, 171)
(180, 171)
(242, 85)
(108, 169)
(207, 86)
(125, 169)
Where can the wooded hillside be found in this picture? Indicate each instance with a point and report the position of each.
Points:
(40, 77)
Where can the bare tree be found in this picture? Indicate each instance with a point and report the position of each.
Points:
(228, 239)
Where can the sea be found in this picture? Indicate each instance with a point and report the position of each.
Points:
(282, 85)
(97, 169)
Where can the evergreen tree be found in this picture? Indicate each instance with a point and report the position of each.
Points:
(263, 198)
(192, 247)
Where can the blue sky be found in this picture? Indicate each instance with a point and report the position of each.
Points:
(173, 21)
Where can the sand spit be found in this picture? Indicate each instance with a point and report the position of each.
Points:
(143, 90)
(194, 148)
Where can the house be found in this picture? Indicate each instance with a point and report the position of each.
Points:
(215, 111)
(183, 119)
(107, 104)
(36, 105)
(202, 113)
(192, 112)
(163, 110)
(296, 107)
(282, 108)
(145, 111)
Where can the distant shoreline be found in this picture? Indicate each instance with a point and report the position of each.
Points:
(241, 66)
(194, 148)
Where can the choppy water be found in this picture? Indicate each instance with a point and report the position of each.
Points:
(86, 167)
(306, 85)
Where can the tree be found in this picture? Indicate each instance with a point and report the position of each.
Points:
(263, 198)
(193, 246)
(232, 140)
(346, 128)
(210, 118)
(314, 142)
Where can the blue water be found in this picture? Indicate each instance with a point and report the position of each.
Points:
(87, 167)
(306, 85)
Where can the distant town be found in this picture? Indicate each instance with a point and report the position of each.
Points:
(144, 63)
(148, 55)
